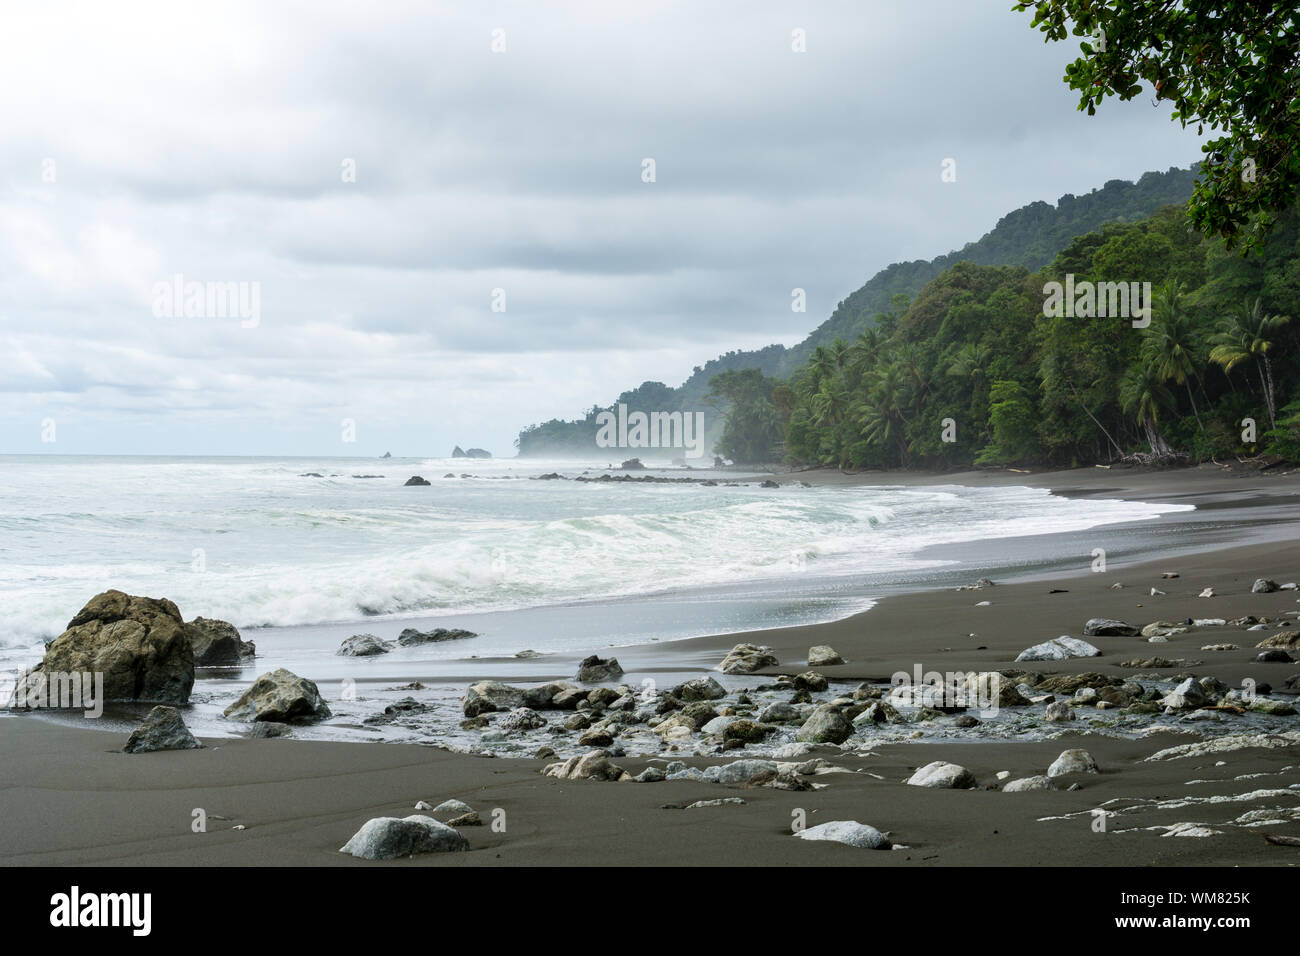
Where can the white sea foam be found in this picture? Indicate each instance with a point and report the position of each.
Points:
(277, 548)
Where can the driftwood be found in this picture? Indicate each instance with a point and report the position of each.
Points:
(1281, 840)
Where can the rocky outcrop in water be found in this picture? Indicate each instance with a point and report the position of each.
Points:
(218, 644)
(593, 670)
(363, 645)
(410, 636)
(280, 696)
(140, 644)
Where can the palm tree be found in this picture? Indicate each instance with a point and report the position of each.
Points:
(1246, 336)
(1168, 344)
(1142, 394)
(880, 415)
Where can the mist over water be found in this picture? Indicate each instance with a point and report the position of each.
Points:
(256, 541)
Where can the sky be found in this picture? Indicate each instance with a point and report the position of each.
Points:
(438, 215)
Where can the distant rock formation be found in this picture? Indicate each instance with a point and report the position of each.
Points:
(387, 454)
(416, 480)
(459, 452)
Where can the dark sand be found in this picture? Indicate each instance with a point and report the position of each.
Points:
(68, 797)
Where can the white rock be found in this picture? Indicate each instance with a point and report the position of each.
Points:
(941, 775)
(1059, 649)
(1029, 783)
(387, 838)
(849, 832)
(1207, 593)
(1072, 761)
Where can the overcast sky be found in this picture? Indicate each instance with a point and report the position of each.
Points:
(212, 141)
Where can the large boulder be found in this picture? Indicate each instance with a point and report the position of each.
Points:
(747, 658)
(489, 695)
(387, 838)
(941, 775)
(281, 696)
(826, 725)
(1040, 782)
(1108, 627)
(163, 729)
(139, 644)
(1263, 586)
(218, 644)
(363, 645)
(593, 670)
(849, 832)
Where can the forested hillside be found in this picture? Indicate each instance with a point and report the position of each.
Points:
(1030, 237)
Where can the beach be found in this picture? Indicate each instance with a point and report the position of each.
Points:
(71, 797)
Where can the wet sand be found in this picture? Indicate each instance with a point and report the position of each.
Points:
(68, 797)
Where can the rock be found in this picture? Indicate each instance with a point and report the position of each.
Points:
(470, 819)
(1221, 647)
(877, 712)
(823, 655)
(768, 483)
(1274, 657)
(747, 658)
(139, 644)
(597, 737)
(1058, 712)
(849, 832)
(632, 464)
(280, 696)
(593, 670)
(569, 698)
(218, 644)
(363, 645)
(941, 775)
(1207, 593)
(522, 718)
(650, 775)
(1169, 575)
(746, 731)
(1059, 649)
(413, 480)
(270, 728)
(700, 688)
(966, 721)
(451, 808)
(593, 765)
(489, 695)
(1263, 586)
(1108, 627)
(1274, 708)
(387, 838)
(410, 636)
(1070, 683)
(1072, 761)
(163, 729)
(780, 713)
(716, 802)
(826, 725)
(1029, 783)
(1163, 629)
(1187, 695)
(1284, 639)
(811, 681)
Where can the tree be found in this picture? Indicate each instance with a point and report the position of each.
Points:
(1248, 336)
(1229, 65)
(1168, 344)
(753, 428)
(1143, 395)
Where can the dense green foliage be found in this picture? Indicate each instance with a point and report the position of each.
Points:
(1030, 236)
(1228, 65)
(974, 372)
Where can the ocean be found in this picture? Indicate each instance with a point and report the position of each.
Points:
(266, 544)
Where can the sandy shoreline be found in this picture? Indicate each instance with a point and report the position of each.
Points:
(69, 797)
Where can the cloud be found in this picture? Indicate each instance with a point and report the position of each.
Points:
(210, 140)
